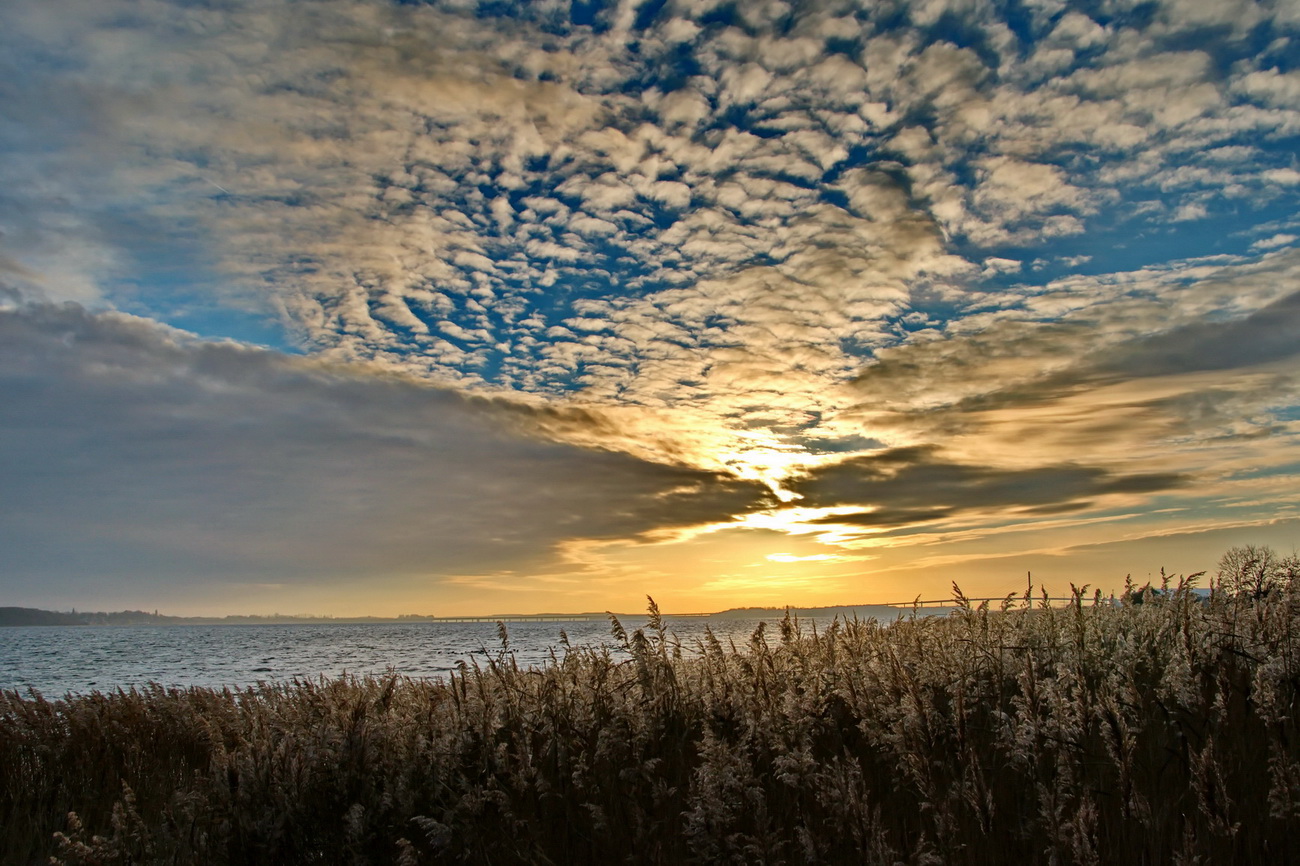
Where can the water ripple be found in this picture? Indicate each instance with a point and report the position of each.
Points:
(55, 660)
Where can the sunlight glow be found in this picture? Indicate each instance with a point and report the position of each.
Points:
(816, 557)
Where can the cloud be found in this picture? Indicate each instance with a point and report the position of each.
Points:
(1278, 240)
(911, 486)
(137, 453)
(1198, 384)
(744, 238)
(1263, 337)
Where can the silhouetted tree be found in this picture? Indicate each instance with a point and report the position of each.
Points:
(1256, 571)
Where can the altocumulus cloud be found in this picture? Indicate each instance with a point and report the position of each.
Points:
(136, 452)
(689, 205)
(1048, 249)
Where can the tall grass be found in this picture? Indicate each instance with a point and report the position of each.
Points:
(1162, 730)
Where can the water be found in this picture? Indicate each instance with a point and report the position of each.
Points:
(56, 660)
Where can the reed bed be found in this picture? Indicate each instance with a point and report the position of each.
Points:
(1162, 729)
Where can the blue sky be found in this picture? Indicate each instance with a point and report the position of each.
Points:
(875, 295)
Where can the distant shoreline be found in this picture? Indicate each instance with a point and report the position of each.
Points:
(28, 616)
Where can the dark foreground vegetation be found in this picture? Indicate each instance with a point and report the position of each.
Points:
(1159, 730)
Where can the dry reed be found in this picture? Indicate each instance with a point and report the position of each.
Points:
(1159, 730)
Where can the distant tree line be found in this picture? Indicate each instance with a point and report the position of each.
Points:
(32, 616)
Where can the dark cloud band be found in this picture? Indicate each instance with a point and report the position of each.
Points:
(134, 452)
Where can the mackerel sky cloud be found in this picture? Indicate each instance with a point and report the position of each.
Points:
(756, 302)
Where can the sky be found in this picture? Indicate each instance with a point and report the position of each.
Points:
(366, 307)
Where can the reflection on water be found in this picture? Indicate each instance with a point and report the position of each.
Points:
(55, 660)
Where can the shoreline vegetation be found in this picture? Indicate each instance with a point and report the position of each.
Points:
(1159, 729)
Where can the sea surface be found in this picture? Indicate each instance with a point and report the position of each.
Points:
(56, 660)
